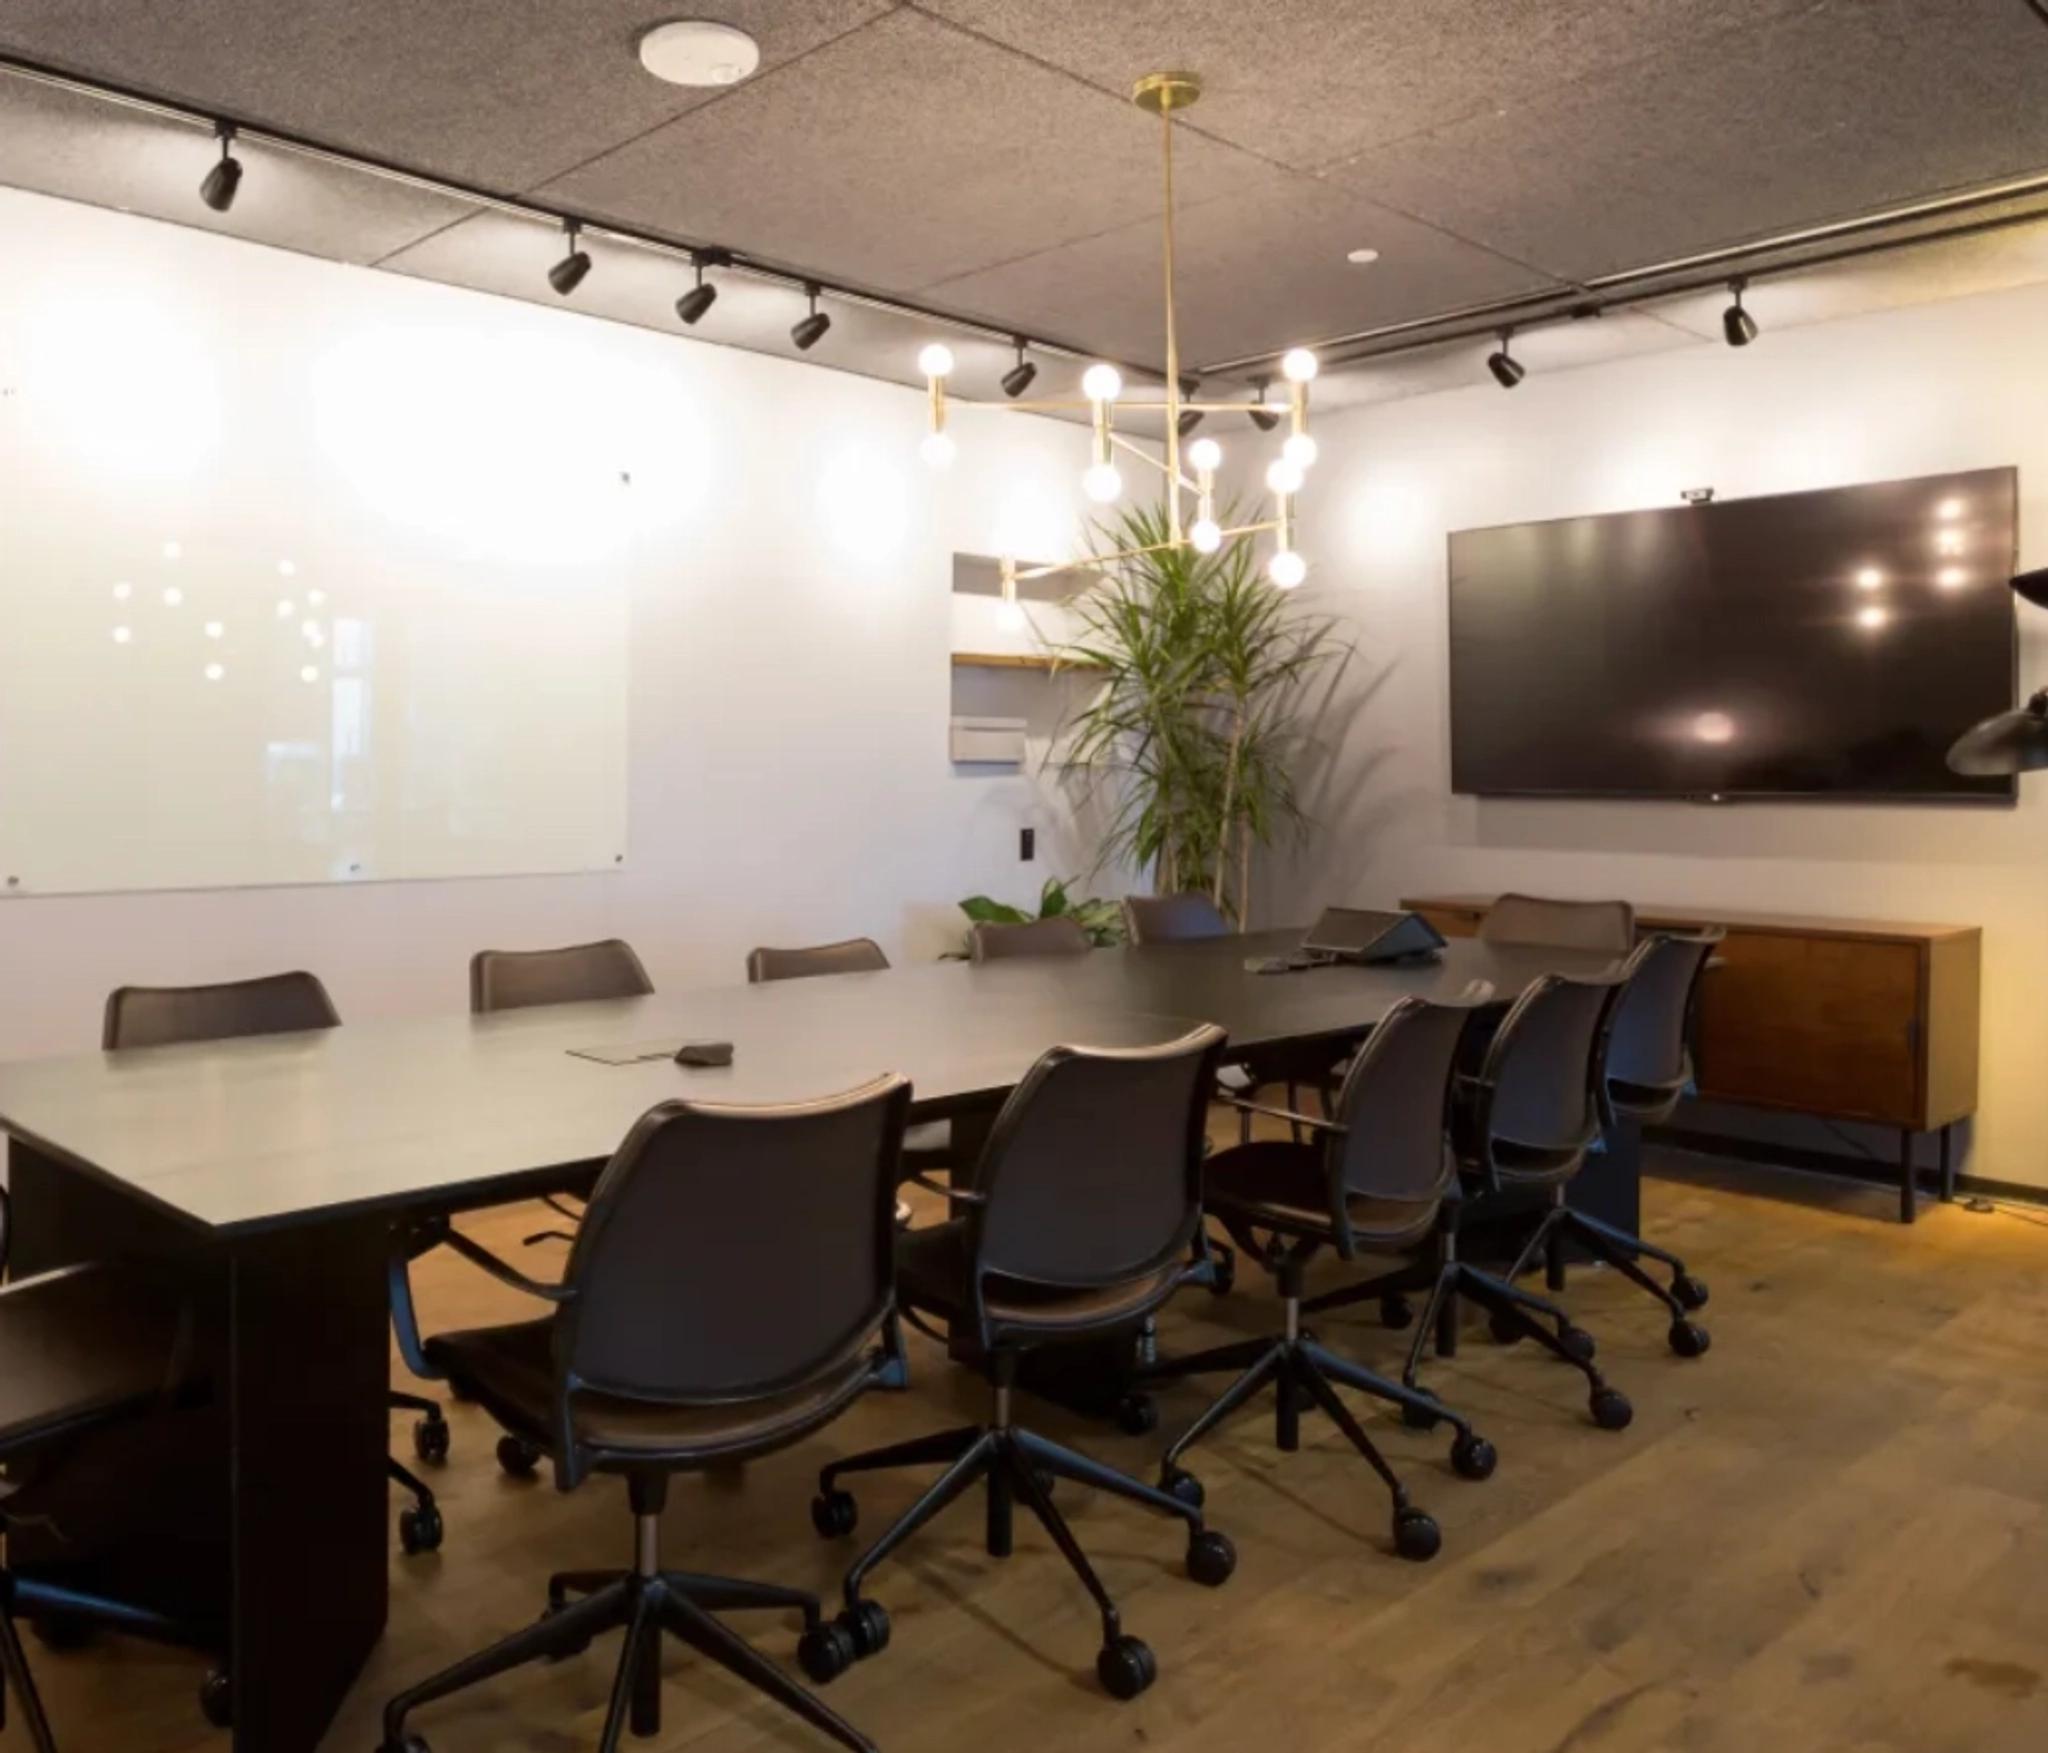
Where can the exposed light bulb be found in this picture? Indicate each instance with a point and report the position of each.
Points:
(214, 672)
(1010, 617)
(1287, 569)
(284, 611)
(1283, 478)
(215, 630)
(285, 569)
(173, 597)
(316, 597)
(122, 592)
(936, 360)
(1206, 454)
(1299, 366)
(1102, 483)
(1300, 450)
(1102, 383)
(311, 673)
(1207, 535)
(122, 635)
(172, 550)
(938, 450)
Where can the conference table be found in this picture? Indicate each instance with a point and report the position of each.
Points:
(266, 1176)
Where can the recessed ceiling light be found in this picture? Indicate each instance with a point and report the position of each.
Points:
(694, 51)
(1362, 257)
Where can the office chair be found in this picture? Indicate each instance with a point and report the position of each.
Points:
(1646, 1069)
(1570, 925)
(1061, 935)
(1189, 917)
(1525, 1121)
(1082, 1207)
(694, 1326)
(1371, 1181)
(81, 1349)
(276, 1004)
(583, 973)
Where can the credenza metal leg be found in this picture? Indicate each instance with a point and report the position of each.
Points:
(1909, 1194)
(1948, 1164)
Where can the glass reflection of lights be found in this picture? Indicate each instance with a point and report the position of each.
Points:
(1872, 618)
(1713, 727)
(286, 568)
(1948, 541)
(1950, 577)
(285, 610)
(122, 592)
(215, 630)
(1949, 510)
(1869, 578)
(122, 635)
(214, 672)
(311, 673)
(173, 597)
(173, 550)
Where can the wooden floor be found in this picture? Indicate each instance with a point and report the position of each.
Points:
(1826, 1537)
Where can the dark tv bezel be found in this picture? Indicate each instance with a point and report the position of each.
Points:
(2005, 798)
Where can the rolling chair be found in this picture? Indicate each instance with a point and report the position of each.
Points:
(1372, 1181)
(1646, 1069)
(1188, 917)
(1082, 1208)
(81, 1349)
(276, 1004)
(584, 973)
(694, 1326)
(1058, 936)
(1570, 925)
(1525, 1122)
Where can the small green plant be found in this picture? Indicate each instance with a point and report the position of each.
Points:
(1103, 921)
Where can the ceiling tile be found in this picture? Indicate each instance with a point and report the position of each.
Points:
(906, 153)
(1305, 82)
(501, 93)
(1255, 272)
(1847, 108)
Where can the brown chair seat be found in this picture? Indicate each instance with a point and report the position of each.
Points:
(510, 1370)
(934, 1271)
(1277, 1184)
(84, 1345)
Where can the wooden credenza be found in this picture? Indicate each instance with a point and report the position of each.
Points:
(1848, 1019)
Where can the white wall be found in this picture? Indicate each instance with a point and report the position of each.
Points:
(1947, 386)
(791, 608)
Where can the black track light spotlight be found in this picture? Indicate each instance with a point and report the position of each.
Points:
(1738, 327)
(1506, 368)
(1021, 376)
(218, 190)
(1190, 418)
(811, 330)
(2033, 586)
(700, 298)
(568, 274)
(1261, 416)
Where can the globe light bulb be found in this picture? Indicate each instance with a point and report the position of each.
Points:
(1102, 483)
(1287, 569)
(1299, 366)
(938, 449)
(1206, 454)
(1102, 383)
(1207, 535)
(1010, 617)
(1300, 450)
(1283, 478)
(936, 360)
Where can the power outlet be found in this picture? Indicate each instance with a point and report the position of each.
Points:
(1027, 844)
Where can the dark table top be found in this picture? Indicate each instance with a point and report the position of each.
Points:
(447, 1110)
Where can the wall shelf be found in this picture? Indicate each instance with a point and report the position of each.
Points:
(1005, 660)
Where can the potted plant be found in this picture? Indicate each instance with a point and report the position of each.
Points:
(1103, 921)
(1195, 738)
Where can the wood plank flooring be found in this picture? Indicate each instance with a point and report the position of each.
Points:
(1827, 1536)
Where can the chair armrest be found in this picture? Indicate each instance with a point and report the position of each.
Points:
(1314, 1122)
(477, 1254)
(946, 1191)
(422, 1238)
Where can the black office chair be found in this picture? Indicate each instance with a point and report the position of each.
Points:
(1572, 925)
(276, 1004)
(583, 973)
(1372, 1181)
(695, 1326)
(1647, 1068)
(1061, 935)
(1524, 1122)
(1188, 917)
(1082, 1207)
(81, 1349)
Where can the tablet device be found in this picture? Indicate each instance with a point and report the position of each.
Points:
(1357, 934)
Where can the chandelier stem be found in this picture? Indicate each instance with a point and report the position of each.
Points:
(1172, 337)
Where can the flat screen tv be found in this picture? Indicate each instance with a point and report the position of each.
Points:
(1810, 645)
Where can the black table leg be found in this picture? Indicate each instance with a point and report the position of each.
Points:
(1909, 1193)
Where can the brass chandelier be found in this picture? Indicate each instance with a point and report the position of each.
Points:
(1102, 396)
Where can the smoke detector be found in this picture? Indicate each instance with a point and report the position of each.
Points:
(694, 51)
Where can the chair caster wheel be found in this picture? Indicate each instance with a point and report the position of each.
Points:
(1136, 1415)
(1473, 1457)
(1688, 1339)
(867, 1624)
(1415, 1417)
(826, 1651)
(1222, 1275)
(60, 1631)
(1610, 1409)
(1690, 1292)
(1506, 1329)
(1126, 1667)
(1579, 1344)
(217, 1699)
(1211, 1558)
(834, 1514)
(1397, 1313)
(1417, 1538)
(430, 1439)
(1182, 1485)
(518, 1457)
(420, 1530)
